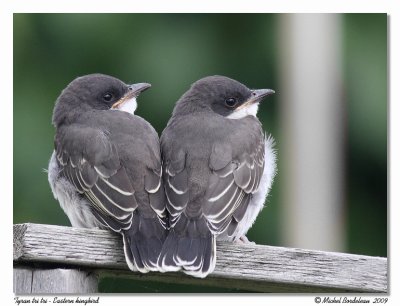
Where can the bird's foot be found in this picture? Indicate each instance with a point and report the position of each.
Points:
(244, 239)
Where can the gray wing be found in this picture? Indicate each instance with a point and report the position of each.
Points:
(90, 161)
(231, 186)
(175, 184)
(232, 182)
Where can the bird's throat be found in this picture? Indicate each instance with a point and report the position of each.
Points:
(128, 106)
(250, 110)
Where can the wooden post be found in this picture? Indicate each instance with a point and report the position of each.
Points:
(312, 121)
(251, 267)
(40, 281)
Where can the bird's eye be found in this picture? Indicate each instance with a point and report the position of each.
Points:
(107, 97)
(231, 102)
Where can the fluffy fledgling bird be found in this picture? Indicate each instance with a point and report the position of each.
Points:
(218, 167)
(105, 170)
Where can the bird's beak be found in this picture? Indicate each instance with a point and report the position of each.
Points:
(256, 96)
(133, 91)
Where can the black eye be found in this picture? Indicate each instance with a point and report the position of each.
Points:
(107, 97)
(231, 102)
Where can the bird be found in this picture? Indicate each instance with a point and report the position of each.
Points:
(105, 169)
(218, 167)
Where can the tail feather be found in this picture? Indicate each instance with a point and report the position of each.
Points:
(132, 255)
(208, 260)
(167, 260)
(196, 256)
(143, 243)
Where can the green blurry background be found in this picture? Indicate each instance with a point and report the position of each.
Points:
(171, 51)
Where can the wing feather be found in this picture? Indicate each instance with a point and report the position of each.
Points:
(175, 178)
(93, 167)
(232, 182)
(231, 186)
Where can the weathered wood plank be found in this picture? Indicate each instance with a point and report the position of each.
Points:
(242, 266)
(29, 280)
(63, 281)
(22, 282)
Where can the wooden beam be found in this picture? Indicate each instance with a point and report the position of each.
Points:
(241, 266)
(32, 280)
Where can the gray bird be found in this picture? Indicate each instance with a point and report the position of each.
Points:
(105, 170)
(218, 167)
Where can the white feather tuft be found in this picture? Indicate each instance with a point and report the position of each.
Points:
(250, 110)
(128, 106)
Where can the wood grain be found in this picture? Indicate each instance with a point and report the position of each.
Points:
(242, 266)
(41, 281)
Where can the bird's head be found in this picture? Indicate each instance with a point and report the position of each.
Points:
(221, 95)
(96, 92)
